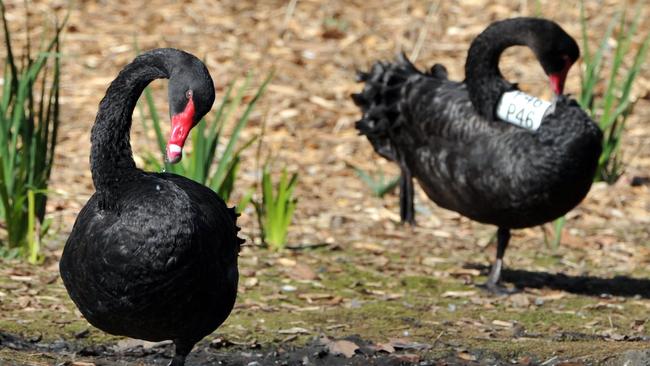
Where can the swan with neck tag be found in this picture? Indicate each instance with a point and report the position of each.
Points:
(446, 134)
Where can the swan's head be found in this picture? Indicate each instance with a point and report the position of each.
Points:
(557, 51)
(191, 95)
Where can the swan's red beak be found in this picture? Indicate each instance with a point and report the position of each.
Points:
(182, 123)
(557, 79)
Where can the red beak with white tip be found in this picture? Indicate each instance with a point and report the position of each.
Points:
(182, 123)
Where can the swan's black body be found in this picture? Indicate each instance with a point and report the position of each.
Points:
(151, 256)
(445, 134)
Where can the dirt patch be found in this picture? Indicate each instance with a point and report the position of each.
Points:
(316, 352)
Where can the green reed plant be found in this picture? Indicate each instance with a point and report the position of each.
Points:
(612, 108)
(276, 210)
(558, 228)
(206, 138)
(29, 122)
(378, 183)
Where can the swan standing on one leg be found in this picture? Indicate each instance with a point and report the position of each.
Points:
(446, 134)
(152, 255)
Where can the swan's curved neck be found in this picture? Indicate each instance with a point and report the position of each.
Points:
(484, 81)
(111, 160)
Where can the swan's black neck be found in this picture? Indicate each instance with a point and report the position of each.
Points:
(111, 160)
(484, 81)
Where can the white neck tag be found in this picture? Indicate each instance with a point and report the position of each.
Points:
(522, 109)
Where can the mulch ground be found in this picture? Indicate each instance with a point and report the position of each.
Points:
(354, 273)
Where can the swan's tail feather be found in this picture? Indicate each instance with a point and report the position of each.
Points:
(438, 71)
(234, 215)
(381, 100)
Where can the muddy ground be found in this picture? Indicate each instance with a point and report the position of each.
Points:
(355, 287)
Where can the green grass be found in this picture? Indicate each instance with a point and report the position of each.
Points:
(29, 122)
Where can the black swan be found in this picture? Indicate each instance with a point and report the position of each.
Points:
(446, 134)
(152, 255)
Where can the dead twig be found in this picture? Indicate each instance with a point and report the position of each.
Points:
(291, 7)
(424, 31)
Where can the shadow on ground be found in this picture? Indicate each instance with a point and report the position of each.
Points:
(583, 285)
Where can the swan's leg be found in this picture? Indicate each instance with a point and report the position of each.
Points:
(406, 209)
(183, 348)
(503, 237)
(492, 284)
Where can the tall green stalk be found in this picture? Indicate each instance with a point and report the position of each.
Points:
(276, 210)
(612, 108)
(29, 121)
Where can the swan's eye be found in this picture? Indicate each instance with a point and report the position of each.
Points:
(188, 94)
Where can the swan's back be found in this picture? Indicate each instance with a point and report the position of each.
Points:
(485, 169)
(403, 108)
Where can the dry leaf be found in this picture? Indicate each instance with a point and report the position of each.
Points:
(553, 296)
(519, 300)
(342, 347)
(384, 347)
(302, 272)
(334, 301)
(504, 324)
(466, 356)
(336, 326)
(441, 233)
(373, 248)
(459, 293)
(294, 330)
(433, 261)
(311, 297)
(21, 278)
(380, 261)
(251, 282)
(286, 262)
(456, 272)
(129, 343)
